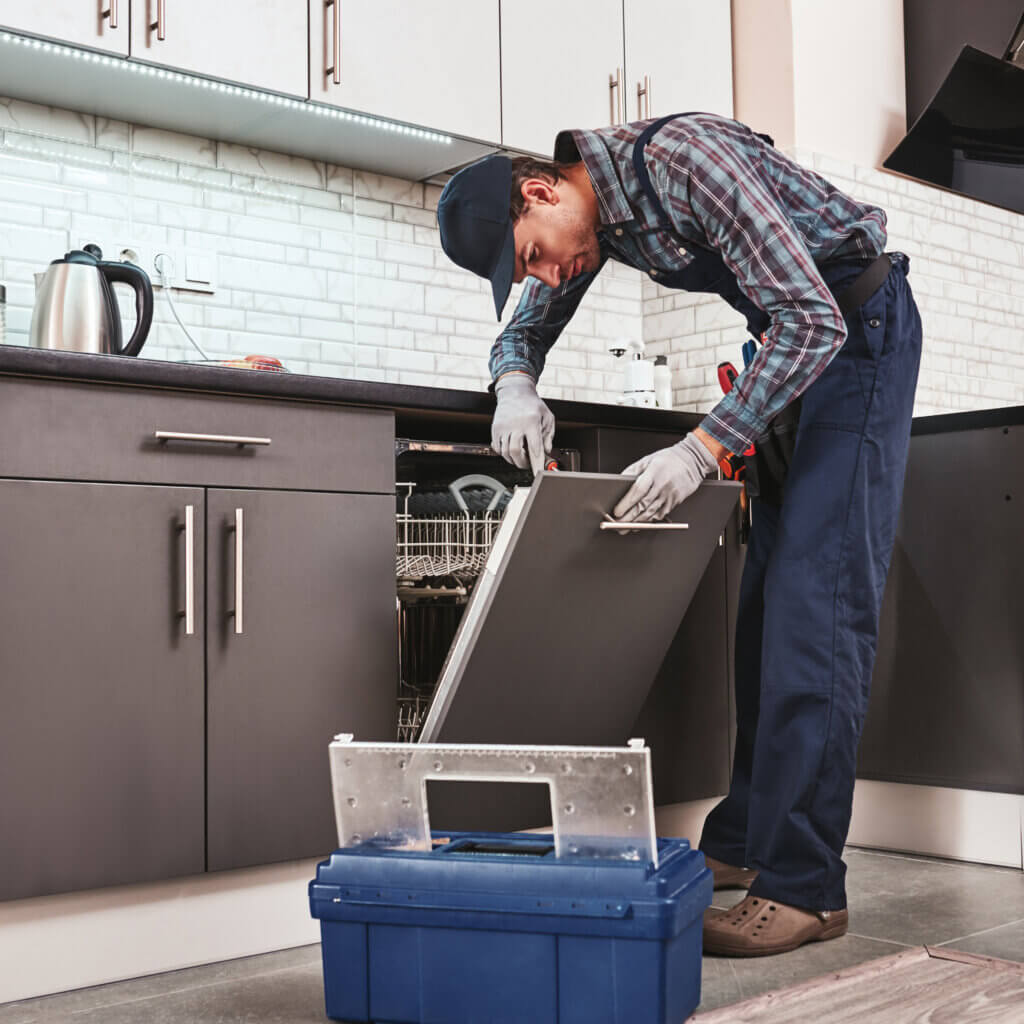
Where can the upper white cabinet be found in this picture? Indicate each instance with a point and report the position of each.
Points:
(432, 64)
(561, 67)
(256, 42)
(680, 51)
(99, 24)
(591, 63)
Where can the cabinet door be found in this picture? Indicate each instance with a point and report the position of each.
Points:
(72, 21)
(257, 42)
(684, 48)
(316, 656)
(433, 64)
(556, 60)
(101, 690)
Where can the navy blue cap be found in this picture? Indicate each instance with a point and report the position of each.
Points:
(476, 229)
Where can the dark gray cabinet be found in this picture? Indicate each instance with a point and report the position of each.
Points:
(133, 749)
(101, 690)
(947, 696)
(315, 657)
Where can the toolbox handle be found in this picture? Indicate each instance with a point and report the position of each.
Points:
(602, 803)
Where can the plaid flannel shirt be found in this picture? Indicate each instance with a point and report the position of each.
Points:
(772, 221)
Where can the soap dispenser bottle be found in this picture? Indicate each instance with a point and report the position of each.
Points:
(662, 382)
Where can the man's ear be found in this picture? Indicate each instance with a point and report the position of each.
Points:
(537, 190)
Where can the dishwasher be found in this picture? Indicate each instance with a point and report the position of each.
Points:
(450, 498)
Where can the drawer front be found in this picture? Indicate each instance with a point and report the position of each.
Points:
(81, 431)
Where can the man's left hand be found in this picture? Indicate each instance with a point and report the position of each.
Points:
(664, 479)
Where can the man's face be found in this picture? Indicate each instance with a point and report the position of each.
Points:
(554, 239)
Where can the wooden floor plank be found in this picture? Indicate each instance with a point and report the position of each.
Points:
(911, 986)
(977, 959)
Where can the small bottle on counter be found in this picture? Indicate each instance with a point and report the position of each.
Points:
(662, 382)
(3, 315)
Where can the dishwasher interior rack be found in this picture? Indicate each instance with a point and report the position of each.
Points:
(447, 545)
(438, 558)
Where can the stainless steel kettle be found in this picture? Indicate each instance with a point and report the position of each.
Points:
(75, 308)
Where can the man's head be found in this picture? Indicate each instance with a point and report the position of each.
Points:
(511, 218)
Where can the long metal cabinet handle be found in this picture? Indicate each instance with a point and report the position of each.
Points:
(615, 96)
(335, 68)
(615, 524)
(178, 435)
(111, 13)
(190, 570)
(239, 560)
(161, 23)
(643, 98)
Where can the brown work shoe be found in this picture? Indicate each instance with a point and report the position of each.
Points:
(760, 927)
(728, 877)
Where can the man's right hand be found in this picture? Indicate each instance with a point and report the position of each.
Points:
(523, 426)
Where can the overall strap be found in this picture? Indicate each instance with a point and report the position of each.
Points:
(640, 166)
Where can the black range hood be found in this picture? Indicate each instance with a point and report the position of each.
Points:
(970, 137)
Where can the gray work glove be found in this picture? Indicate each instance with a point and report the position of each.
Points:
(523, 426)
(664, 479)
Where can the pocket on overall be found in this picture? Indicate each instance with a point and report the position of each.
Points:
(773, 451)
(872, 320)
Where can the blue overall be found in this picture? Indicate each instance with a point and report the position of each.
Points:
(811, 593)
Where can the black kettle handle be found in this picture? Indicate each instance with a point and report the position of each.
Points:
(128, 273)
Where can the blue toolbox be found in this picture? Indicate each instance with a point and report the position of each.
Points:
(598, 922)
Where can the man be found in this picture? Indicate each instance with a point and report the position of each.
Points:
(701, 202)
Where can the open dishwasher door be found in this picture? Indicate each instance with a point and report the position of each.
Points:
(569, 622)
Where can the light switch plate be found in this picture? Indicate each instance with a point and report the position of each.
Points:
(198, 268)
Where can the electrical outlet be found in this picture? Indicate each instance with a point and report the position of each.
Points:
(187, 269)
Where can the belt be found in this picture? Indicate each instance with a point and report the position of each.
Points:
(865, 285)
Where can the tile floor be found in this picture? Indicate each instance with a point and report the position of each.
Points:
(895, 902)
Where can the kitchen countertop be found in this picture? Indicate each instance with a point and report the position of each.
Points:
(402, 398)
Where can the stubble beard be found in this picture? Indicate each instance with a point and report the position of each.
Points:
(583, 239)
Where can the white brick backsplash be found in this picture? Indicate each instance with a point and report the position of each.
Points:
(28, 169)
(305, 282)
(31, 243)
(51, 121)
(273, 231)
(389, 190)
(424, 342)
(334, 329)
(416, 217)
(336, 242)
(366, 315)
(397, 232)
(995, 249)
(114, 135)
(372, 208)
(460, 305)
(224, 318)
(339, 179)
(391, 295)
(408, 360)
(264, 164)
(340, 272)
(174, 146)
(19, 213)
